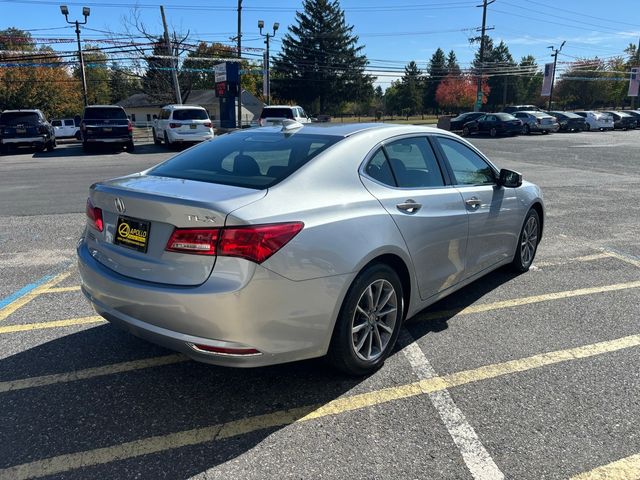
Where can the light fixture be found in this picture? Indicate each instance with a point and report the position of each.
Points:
(64, 9)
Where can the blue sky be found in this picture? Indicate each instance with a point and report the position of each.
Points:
(393, 32)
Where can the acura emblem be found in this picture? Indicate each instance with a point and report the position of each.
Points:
(119, 205)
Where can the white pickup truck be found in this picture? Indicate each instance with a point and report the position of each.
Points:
(180, 124)
(66, 128)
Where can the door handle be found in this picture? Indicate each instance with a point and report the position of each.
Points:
(409, 206)
(473, 202)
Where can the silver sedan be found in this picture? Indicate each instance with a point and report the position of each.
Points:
(278, 244)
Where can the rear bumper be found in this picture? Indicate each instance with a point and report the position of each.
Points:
(283, 319)
(176, 137)
(108, 140)
(23, 141)
(554, 127)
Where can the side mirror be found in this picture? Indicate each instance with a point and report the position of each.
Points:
(509, 178)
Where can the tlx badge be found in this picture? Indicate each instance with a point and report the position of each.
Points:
(202, 218)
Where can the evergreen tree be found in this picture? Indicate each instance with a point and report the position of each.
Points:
(321, 63)
(157, 81)
(411, 89)
(437, 70)
(122, 83)
(452, 64)
(498, 70)
(529, 83)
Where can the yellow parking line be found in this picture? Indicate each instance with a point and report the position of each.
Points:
(632, 261)
(56, 378)
(623, 469)
(516, 302)
(74, 288)
(586, 258)
(54, 324)
(160, 443)
(22, 301)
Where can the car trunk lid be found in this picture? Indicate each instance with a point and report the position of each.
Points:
(151, 207)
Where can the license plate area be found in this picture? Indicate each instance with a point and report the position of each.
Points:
(132, 233)
(107, 129)
(193, 126)
(21, 130)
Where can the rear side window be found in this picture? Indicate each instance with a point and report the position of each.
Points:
(467, 166)
(413, 163)
(378, 168)
(277, 113)
(190, 114)
(248, 159)
(102, 113)
(56, 123)
(18, 118)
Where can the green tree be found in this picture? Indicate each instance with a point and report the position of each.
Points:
(498, 69)
(581, 85)
(436, 70)
(97, 76)
(529, 82)
(122, 83)
(321, 63)
(452, 64)
(411, 89)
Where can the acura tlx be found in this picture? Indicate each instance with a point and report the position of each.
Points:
(282, 243)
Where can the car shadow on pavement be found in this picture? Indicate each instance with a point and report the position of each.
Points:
(67, 417)
(76, 150)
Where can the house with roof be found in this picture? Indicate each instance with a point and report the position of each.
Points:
(143, 108)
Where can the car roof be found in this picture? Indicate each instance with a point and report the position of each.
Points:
(104, 106)
(22, 110)
(349, 129)
(281, 106)
(178, 107)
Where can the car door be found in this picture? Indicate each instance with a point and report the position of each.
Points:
(407, 179)
(494, 212)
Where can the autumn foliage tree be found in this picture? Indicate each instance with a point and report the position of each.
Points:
(459, 92)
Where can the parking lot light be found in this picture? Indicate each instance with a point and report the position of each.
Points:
(86, 11)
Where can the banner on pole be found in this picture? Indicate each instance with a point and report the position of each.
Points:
(548, 78)
(634, 82)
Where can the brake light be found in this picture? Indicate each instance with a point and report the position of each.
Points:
(207, 124)
(174, 125)
(95, 215)
(255, 243)
(198, 241)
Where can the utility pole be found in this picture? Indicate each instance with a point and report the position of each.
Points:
(86, 11)
(240, 65)
(633, 99)
(555, 61)
(267, 73)
(174, 62)
(485, 4)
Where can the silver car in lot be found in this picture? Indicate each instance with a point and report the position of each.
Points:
(278, 244)
(537, 122)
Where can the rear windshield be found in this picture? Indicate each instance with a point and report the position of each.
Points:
(505, 116)
(102, 113)
(277, 113)
(249, 159)
(18, 118)
(190, 114)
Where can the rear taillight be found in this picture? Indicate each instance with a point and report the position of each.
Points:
(174, 125)
(129, 126)
(193, 240)
(95, 215)
(255, 243)
(207, 124)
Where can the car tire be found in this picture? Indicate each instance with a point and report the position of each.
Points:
(527, 242)
(587, 127)
(167, 143)
(85, 147)
(466, 132)
(51, 145)
(40, 148)
(526, 129)
(78, 135)
(363, 337)
(156, 140)
(493, 132)
(131, 146)
(545, 132)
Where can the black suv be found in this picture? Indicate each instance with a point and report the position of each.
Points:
(106, 124)
(26, 128)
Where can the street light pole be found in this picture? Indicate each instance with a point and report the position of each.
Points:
(86, 11)
(240, 65)
(555, 61)
(485, 3)
(267, 73)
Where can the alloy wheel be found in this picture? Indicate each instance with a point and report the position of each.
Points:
(374, 320)
(529, 241)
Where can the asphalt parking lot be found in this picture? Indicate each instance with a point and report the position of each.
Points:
(534, 376)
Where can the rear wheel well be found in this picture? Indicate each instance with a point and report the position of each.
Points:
(538, 208)
(400, 267)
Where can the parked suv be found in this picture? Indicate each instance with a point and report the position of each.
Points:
(106, 124)
(275, 114)
(537, 122)
(66, 128)
(26, 128)
(182, 124)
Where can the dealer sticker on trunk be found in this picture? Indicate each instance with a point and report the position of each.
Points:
(132, 233)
